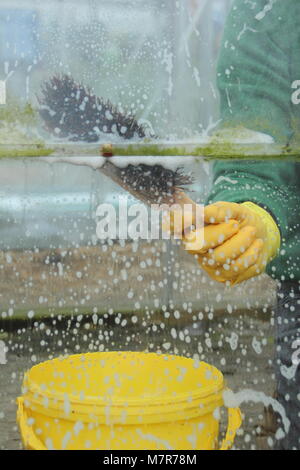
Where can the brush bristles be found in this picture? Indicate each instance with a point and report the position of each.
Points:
(70, 110)
(155, 182)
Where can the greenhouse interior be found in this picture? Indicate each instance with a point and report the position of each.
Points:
(149, 226)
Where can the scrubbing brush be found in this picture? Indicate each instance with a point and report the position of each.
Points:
(71, 110)
(152, 184)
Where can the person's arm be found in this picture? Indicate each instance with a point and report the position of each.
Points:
(255, 73)
(258, 61)
(270, 184)
(252, 209)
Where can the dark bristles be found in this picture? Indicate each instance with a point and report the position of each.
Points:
(155, 182)
(70, 110)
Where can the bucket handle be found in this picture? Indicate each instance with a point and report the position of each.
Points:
(234, 423)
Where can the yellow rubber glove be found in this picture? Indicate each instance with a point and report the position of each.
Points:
(240, 240)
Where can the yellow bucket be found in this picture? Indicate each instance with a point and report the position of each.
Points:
(123, 400)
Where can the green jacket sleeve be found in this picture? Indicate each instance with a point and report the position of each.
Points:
(258, 62)
(257, 65)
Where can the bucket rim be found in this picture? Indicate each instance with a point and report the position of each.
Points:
(210, 390)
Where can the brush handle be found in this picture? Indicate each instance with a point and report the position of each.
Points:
(189, 219)
(181, 198)
(115, 174)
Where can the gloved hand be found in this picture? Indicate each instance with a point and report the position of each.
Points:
(239, 241)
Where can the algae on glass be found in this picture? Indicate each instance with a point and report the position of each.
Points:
(18, 136)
